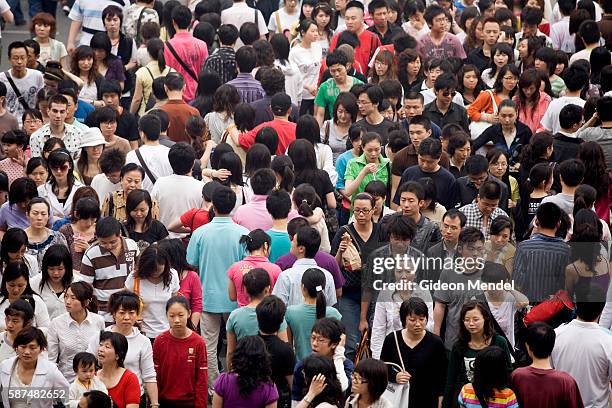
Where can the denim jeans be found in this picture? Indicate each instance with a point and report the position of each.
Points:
(349, 307)
(42, 6)
(16, 9)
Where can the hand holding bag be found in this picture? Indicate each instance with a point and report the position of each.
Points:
(397, 394)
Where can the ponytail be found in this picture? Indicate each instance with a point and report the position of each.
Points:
(314, 284)
(283, 166)
(155, 48)
(306, 199)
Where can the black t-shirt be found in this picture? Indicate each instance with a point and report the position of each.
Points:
(127, 125)
(282, 359)
(383, 128)
(156, 232)
(447, 189)
(319, 180)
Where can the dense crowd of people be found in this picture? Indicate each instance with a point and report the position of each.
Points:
(307, 204)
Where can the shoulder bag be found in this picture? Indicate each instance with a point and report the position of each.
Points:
(351, 259)
(145, 167)
(476, 128)
(397, 394)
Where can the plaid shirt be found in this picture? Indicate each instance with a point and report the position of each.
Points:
(223, 62)
(475, 218)
(249, 88)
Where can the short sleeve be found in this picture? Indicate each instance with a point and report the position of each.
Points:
(4, 6)
(441, 295)
(221, 384)
(333, 312)
(326, 183)
(132, 389)
(351, 170)
(231, 323)
(261, 22)
(76, 13)
(187, 217)
(271, 393)
(175, 285)
(320, 98)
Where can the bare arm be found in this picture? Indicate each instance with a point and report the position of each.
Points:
(233, 294)
(395, 180)
(137, 99)
(178, 227)
(134, 144)
(231, 346)
(151, 389)
(284, 335)
(72, 77)
(439, 311)
(319, 113)
(8, 16)
(75, 29)
(331, 200)
(217, 401)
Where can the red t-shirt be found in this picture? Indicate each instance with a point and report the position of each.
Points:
(182, 369)
(127, 390)
(536, 387)
(368, 43)
(284, 129)
(195, 218)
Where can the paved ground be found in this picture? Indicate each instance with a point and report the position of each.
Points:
(13, 33)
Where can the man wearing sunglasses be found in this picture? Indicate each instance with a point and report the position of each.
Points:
(443, 110)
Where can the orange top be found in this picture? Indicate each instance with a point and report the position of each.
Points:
(482, 104)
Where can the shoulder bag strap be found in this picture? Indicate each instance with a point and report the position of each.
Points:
(495, 108)
(256, 17)
(136, 285)
(278, 22)
(139, 23)
(180, 61)
(327, 131)
(399, 353)
(357, 246)
(17, 92)
(145, 167)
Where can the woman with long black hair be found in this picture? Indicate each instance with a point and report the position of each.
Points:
(531, 102)
(323, 389)
(61, 186)
(597, 176)
(307, 128)
(140, 224)
(539, 150)
(54, 278)
(108, 65)
(283, 168)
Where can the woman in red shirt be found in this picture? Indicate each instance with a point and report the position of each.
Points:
(122, 384)
(180, 360)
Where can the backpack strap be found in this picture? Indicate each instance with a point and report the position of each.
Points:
(278, 22)
(139, 24)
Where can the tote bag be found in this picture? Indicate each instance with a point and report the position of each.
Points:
(476, 128)
(397, 394)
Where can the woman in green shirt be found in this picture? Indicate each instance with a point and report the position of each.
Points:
(371, 165)
(476, 332)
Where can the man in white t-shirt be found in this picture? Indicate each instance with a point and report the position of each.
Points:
(575, 79)
(283, 18)
(180, 184)
(241, 13)
(27, 82)
(153, 156)
(583, 349)
(5, 12)
(109, 180)
(86, 16)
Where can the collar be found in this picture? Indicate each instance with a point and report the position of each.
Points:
(258, 198)
(71, 321)
(184, 34)
(382, 160)
(304, 261)
(222, 220)
(244, 75)
(567, 135)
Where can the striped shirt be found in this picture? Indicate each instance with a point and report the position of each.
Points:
(249, 88)
(89, 14)
(223, 62)
(539, 266)
(106, 272)
(501, 399)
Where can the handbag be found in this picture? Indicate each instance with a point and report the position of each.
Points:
(397, 394)
(476, 128)
(351, 260)
(140, 301)
(363, 350)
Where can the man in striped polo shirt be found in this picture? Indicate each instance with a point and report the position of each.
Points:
(108, 262)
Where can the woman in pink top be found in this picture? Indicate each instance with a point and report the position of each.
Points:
(530, 101)
(190, 286)
(258, 245)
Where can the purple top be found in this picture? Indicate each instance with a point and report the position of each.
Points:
(226, 386)
(13, 216)
(249, 88)
(323, 260)
(115, 70)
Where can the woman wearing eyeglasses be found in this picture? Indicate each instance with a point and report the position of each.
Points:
(369, 382)
(363, 233)
(486, 106)
(62, 184)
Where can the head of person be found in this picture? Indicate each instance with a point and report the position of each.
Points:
(363, 208)
(79, 297)
(111, 93)
(488, 197)
(38, 212)
(228, 34)
(346, 109)
(223, 200)
(571, 172)
(108, 233)
(251, 363)
(14, 245)
(400, 231)
(270, 314)
(459, 147)
(28, 345)
(371, 145)
(84, 366)
(149, 127)
(411, 198)
(471, 243)
(18, 56)
(18, 314)
(570, 118)
(445, 89)
(337, 63)
(490, 374)
(370, 379)
(353, 16)
(325, 337)
(429, 153)
(575, 78)
(138, 205)
(32, 120)
(507, 79)
(15, 281)
(125, 307)
(256, 242)
(131, 176)
(56, 267)
(453, 222)
(319, 365)
(414, 315)
(112, 349)
(437, 18)
(590, 302)
(539, 340)
(413, 104)
(257, 282)
(154, 263)
(475, 319)
(181, 157)
(178, 313)
(278, 204)
(548, 216)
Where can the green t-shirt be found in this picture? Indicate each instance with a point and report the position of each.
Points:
(280, 244)
(243, 322)
(300, 319)
(329, 91)
(354, 167)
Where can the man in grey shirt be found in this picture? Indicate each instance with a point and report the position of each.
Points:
(571, 173)
(601, 134)
(454, 290)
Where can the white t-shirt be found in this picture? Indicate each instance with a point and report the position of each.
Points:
(89, 14)
(103, 186)
(168, 188)
(584, 351)
(156, 158)
(286, 20)
(28, 86)
(550, 121)
(4, 7)
(241, 13)
(154, 296)
(308, 62)
(504, 314)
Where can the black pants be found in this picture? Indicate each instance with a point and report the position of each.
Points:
(307, 107)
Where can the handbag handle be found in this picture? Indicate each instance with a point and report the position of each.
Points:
(495, 109)
(399, 353)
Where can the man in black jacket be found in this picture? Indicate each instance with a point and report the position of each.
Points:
(566, 142)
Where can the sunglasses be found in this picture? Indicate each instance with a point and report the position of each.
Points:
(447, 94)
(63, 167)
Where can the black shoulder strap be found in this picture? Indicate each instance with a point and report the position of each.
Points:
(139, 24)
(256, 17)
(180, 61)
(16, 90)
(145, 167)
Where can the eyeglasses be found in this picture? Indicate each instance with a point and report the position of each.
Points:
(362, 211)
(318, 339)
(63, 167)
(510, 78)
(31, 121)
(356, 379)
(449, 93)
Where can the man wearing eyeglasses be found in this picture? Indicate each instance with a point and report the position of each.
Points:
(481, 213)
(477, 169)
(443, 110)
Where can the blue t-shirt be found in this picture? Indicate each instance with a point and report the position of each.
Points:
(83, 109)
(280, 244)
(243, 322)
(301, 318)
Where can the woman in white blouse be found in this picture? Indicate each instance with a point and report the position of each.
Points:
(155, 282)
(125, 307)
(70, 332)
(18, 315)
(14, 248)
(55, 278)
(15, 284)
(61, 185)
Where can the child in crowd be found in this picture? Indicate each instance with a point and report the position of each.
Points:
(84, 365)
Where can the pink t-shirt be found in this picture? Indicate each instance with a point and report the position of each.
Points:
(12, 169)
(191, 289)
(237, 271)
(254, 215)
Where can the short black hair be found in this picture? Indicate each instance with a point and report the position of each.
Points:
(589, 32)
(174, 81)
(278, 204)
(28, 335)
(124, 299)
(181, 16)
(164, 119)
(106, 114)
(119, 343)
(18, 137)
(532, 16)
(457, 141)
(310, 239)
(575, 78)
(476, 165)
(83, 359)
(17, 44)
(224, 200)
(108, 227)
(110, 87)
(295, 224)
(414, 305)
(454, 213)
(181, 157)
(490, 190)
(401, 227)
(374, 372)
(268, 137)
(21, 190)
(548, 215)
(249, 33)
(570, 115)
(430, 147)
(469, 235)
(413, 187)
(432, 12)
(150, 126)
(263, 181)
(246, 58)
(270, 314)
(228, 34)
(446, 80)
(572, 172)
(566, 6)
(336, 58)
(375, 93)
(540, 338)
(255, 281)
(376, 188)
